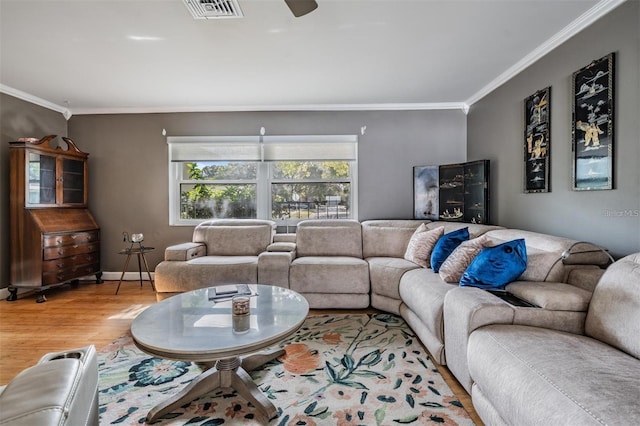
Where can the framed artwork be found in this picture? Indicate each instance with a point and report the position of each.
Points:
(592, 125)
(426, 192)
(537, 141)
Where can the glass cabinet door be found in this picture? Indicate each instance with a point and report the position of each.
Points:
(72, 181)
(41, 185)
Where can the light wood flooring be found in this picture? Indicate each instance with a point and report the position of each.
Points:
(92, 314)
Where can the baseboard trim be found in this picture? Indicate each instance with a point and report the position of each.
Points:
(106, 276)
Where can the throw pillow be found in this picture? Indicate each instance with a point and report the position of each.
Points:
(446, 245)
(421, 244)
(495, 267)
(459, 260)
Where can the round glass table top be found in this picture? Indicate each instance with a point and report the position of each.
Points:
(191, 327)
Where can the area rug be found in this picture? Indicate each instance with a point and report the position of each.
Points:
(352, 369)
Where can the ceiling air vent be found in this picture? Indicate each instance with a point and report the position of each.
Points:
(214, 9)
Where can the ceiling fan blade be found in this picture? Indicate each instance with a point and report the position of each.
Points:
(301, 7)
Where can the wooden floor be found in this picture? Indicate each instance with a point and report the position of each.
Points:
(91, 314)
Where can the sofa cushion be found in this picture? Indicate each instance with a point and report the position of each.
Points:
(475, 229)
(459, 260)
(235, 237)
(539, 376)
(446, 245)
(421, 245)
(329, 238)
(385, 274)
(495, 267)
(387, 238)
(204, 272)
(614, 312)
(585, 276)
(422, 291)
(329, 274)
(547, 255)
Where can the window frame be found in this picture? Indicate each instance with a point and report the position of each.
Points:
(264, 179)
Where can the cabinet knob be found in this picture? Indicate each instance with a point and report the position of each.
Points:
(61, 252)
(59, 241)
(74, 236)
(60, 265)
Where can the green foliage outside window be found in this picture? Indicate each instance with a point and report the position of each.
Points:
(207, 200)
(302, 189)
(313, 199)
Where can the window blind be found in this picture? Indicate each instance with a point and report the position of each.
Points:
(267, 148)
(213, 148)
(311, 148)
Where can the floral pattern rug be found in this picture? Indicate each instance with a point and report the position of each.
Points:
(356, 369)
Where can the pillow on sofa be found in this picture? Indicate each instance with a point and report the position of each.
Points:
(421, 244)
(446, 245)
(459, 260)
(495, 267)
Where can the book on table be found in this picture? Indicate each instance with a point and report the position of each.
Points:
(228, 291)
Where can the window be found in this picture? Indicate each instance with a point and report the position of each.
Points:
(283, 178)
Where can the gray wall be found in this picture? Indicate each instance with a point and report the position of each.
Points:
(496, 126)
(128, 171)
(19, 119)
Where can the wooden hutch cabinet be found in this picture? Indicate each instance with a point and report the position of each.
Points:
(54, 237)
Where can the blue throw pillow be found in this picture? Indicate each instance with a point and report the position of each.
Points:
(495, 267)
(446, 245)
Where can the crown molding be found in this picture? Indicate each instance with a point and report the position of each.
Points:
(35, 100)
(254, 108)
(67, 113)
(583, 21)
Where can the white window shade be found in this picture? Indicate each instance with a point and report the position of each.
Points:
(310, 148)
(271, 148)
(214, 148)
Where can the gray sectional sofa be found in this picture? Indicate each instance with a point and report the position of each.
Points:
(528, 375)
(347, 264)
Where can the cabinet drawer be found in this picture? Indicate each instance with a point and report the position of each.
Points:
(67, 239)
(57, 265)
(50, 278)
(66, 251)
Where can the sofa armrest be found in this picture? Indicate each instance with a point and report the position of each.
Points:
(465, 310)
(552, 296)
(284, 238)
(282, 247)
(62, 389)
(273, 267)
(185, 251)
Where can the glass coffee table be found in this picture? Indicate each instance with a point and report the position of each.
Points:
(190, 327)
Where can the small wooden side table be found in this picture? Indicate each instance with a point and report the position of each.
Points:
(139, 251)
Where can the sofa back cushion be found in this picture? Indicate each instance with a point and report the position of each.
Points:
(548, 254)
(387, 238)
(341, 237)
(614, 312)
(235, 237)
(475, 229)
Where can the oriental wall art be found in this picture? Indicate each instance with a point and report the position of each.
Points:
(593, 101)
(537, 141)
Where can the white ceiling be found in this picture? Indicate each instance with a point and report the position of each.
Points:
(97, 56)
